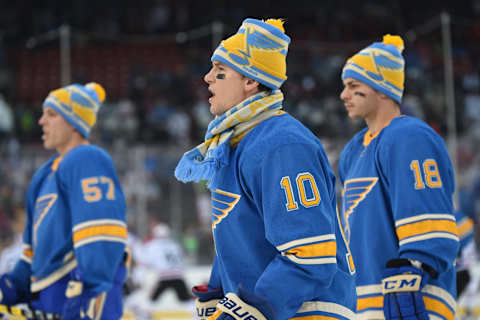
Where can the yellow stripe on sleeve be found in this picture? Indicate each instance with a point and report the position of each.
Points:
(322, 249)
(28, 253)
(370, 302)
(105, 230)
(426, 226)
(438, 307)
(465, 227)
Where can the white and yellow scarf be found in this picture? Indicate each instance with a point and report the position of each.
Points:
(204, 160)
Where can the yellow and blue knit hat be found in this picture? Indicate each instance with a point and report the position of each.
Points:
(381, 66)
(78, 104)
(258, 50)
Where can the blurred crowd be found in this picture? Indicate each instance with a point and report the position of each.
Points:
(157, 102)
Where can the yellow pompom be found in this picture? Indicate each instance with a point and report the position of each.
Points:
(98, 89)
(395, 40)
(276, 23)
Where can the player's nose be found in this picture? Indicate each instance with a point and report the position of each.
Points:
(41, 121)
(208, 78)
(344, 94)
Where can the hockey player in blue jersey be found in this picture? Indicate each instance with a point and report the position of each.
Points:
(280, 252)
(398, 184)
(74, 239)
(467, 255)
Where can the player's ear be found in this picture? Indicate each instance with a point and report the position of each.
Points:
(383, 96)
(251, 84)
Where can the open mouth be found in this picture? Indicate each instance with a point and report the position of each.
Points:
(212, 95)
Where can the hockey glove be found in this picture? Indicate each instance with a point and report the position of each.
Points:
(206, 301)
(245, 305)
(8, 292)
(401, 285)
(81, 303)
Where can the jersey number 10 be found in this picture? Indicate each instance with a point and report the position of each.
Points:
(304, 180)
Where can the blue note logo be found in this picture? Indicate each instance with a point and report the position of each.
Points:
(223, 203)
(354, 192)
(42, 208)
(256, 40)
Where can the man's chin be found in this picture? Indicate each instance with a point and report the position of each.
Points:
(354, 116)
(47, 146)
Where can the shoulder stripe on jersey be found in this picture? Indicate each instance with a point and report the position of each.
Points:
(465, 227)
(434, 305)
(442, 294)
(375, 302)
(323, 249)
(369, 315)
(40, 284)
(429, 236)
(313, 250)
(310, 260)
(98, 222)
(426, 226)
(99, 238)
(99, 230)
(370, 289)
(299, 242)
(427, 216)
(437, 300)
(326, 307)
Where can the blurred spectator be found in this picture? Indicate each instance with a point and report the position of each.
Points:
(164, 255)
(467, 255)
(159, 16)
(6, 119)
(14, 245)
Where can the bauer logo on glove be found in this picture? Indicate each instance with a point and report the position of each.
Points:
(401, 283)
(204, 312)
(231, 304)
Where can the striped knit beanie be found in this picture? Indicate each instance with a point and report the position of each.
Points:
(381, 66)
(78, 104)
(258, 51)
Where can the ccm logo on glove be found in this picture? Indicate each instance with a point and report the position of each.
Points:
(401, 283)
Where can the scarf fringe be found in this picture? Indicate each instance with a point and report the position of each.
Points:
(193, 167)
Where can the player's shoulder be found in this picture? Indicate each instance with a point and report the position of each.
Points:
(85, 155)
(84, 152)
(406, 127)
(278, 131)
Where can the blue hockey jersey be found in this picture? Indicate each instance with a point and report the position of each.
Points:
(75, 218)
(465, 228)
(397, 203)
(275, 224)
